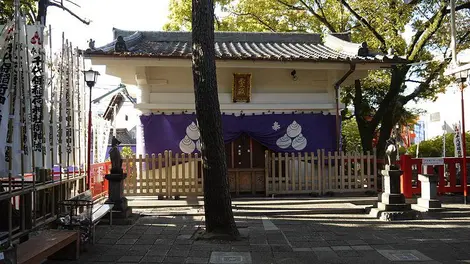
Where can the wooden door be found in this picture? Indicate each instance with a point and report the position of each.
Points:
(245, 160)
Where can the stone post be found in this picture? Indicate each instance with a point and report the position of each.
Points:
(392, 205)
(428, 201)
(116, 195)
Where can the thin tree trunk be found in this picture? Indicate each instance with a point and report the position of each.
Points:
(42, 11)
(217, 200)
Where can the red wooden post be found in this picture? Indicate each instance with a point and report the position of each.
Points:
(406, 177)
(442, 181)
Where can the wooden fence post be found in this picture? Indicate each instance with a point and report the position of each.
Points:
(406, 177)
(266, 172)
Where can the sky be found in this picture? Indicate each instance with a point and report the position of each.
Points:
(104, 15)
(153, 14)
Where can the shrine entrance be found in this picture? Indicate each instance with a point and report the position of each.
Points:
(246, 163)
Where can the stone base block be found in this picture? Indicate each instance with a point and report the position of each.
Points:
(389, 198)
(394, 207)
(395, 215)
(425, 209)
(429, 203)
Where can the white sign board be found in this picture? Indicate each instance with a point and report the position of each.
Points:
(433, 161)
(435, 117)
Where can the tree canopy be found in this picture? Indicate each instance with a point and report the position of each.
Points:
(379, 101)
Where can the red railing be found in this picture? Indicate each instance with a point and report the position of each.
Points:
(99, 185)
(449, 175)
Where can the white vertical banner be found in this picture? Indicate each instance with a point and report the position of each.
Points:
(84, 109)
(6, 70)
(68, 108)
(52, 83)
(105, 140)
(25, 87)
(63, 107)
(14, 133)
(76, 108)
(47, 104)
(457, 141)
(37, 97)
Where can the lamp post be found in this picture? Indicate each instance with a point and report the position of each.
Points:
(91, 77)
(462, 78)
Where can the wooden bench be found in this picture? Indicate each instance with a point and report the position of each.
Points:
(99, 211)
(83, 205)
(52, 244)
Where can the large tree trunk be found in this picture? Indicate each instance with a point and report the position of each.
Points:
(217, 200)
(366, 134)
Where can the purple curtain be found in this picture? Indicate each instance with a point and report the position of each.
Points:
(278, 132)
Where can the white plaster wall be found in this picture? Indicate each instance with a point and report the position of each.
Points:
(180, 80)
(171, 88)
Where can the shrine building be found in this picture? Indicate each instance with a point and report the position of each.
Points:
(277, 91)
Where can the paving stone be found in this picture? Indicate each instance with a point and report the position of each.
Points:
(161, 241)
(240, 248)
(130, 259)
(126, 241)
(260, 248)
(356, 242)
(108, 241)
(109, 258)
(230, 257)
(281, 248)
(359, 248)
(337, 243)
(197, 260)
(404, 255)
(178, 253)
(294, 257)
(152, 259)
(154, 252)
(322, 249)
(199, 253)
(341, 248)
(301, 249)
(145, 241)
(141, 248)
(326, 255)
(174, 260)
(318, 244)
(300, 244)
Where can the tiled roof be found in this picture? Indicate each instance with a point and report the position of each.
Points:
(245, 46)
(122, 135)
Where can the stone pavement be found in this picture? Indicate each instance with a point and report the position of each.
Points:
(303, 237)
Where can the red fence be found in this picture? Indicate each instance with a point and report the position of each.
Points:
(449, 174)
(99, 185)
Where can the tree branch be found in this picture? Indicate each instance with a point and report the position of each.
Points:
(433, 25)
(86, 22)
(319, 17)
(423, 86)
(293, 7)
(414, 41)
(414, 81)
(257, 18)
(367, 25)
(30, 14)
(308, 8)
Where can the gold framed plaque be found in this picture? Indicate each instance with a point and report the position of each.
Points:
(241, 91)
